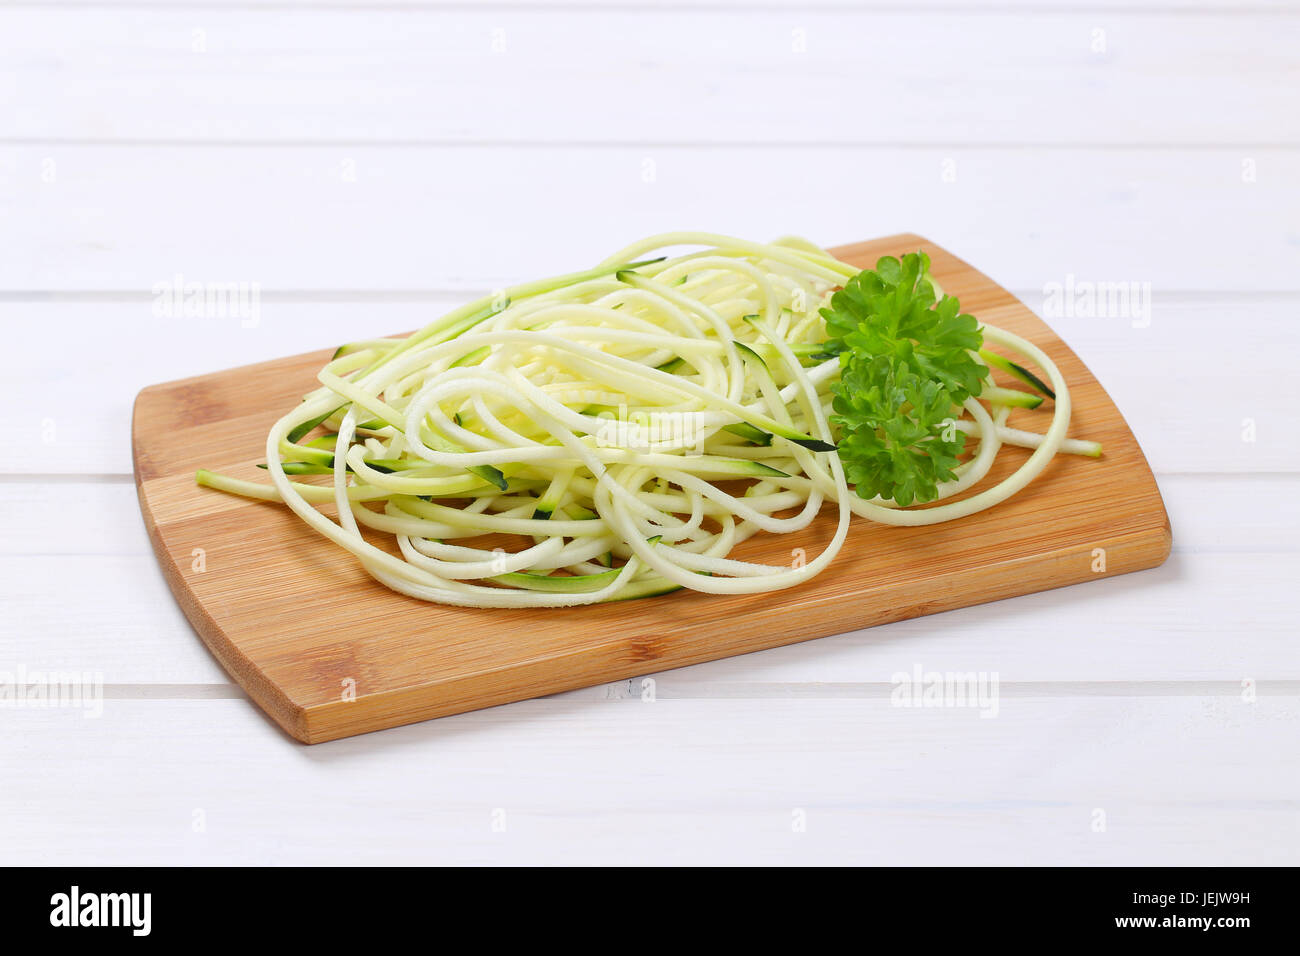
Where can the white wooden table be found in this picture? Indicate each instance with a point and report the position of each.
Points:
(368, 166)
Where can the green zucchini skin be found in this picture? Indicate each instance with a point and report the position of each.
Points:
(747, 431)
(1017, 370)
(553, 464)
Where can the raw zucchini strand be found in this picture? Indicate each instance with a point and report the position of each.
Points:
(616, 433)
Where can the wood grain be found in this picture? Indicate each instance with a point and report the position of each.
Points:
(295, 620)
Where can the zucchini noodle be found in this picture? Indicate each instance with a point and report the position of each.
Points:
(613, 433)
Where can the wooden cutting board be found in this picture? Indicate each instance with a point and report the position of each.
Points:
(328, 652)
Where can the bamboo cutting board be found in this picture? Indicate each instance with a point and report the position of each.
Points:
(329, 653)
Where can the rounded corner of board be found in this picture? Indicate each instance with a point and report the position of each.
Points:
(1164, 543)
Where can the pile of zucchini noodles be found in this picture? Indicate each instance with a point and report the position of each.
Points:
(634, 422)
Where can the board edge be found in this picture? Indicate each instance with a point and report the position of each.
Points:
(318, 723)
(1141, 550)
(291, 717)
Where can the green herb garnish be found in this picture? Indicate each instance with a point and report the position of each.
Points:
(906, 367)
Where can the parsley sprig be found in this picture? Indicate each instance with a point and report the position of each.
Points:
(906, 365)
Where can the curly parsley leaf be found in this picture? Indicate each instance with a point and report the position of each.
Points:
(906, 365)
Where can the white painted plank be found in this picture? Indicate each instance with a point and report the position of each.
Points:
(82, 591)
(1199, 381)
(1180, 780)
(510, 75)
(1206, 386)
(416, 218)
(112, 615)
